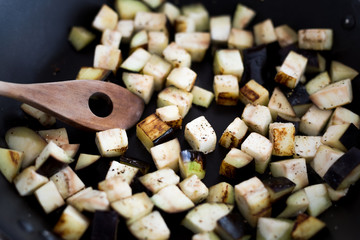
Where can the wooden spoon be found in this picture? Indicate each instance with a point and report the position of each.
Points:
(68, 101)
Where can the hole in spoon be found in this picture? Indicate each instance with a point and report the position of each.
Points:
(100, 104)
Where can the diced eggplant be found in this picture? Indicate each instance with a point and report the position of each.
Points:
(240, 39)
(345, 171)
(115, 188)
(80, 37)
(182, 78)
(10, 163)
(255, 64)
(278, 187)
(150, 21)
(126, 28)
(203, 217)
(233, 227)
(226, 89)
(151, 226)
(298, 95)
(257, 118)
(242, 16)
(134, 207)
(228, 61)
(340, 71)
(285, 35)
(152, 131)
(174, 96)
(158, 41)
(282, 136)
(314, 121)
(336, 195)
(350, 137)
(91, 73)
(253, 200)
(315, 39)
(316, 63)
(58, 136)
(293, 169)
(166, 155)
(200, 135)
(139, 40)
(342, 115)
(260, 148)
(111, 38)
(254, 93)
(86, 160)
(222, 192)
(334, 133)
(171, 199)
(236, 163)
(171, 11)
(202, 97)
(141, 165)
(170, 115)
(205, 236)
(184, 24)
(104, 225)
(28, 181)
(301, 109)
(199, 13)
(297, 203)
(71, 149)
(177, 55)
(318, 83)
(318, 198)
(264, 32)
(43, 118)
(128, 9)
(106, 18)
(306, 227)
(159, 68)
(192, 163)
(278, 103)
(196, 43)
(306, 146)
(139, 84)
(107, 57)
(136, 61)
(112, 142)
(220, 28)
(67, 182)
(126, 171)
(233, 134)
(324, 158)
(49, 197)
(25, 140)
(159, 179)
(194, 188)
(89, 200)
(71, 224)
(273, 228)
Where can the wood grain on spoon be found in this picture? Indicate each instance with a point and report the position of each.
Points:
(68, 101)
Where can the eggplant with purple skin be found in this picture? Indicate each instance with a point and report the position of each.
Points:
(232, 227)
(254, 64)
(192, 162)
(137, 163)
(298, 95)
(278, 187)
(104, 225)
(350, 137)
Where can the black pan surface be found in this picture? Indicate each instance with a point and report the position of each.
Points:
(34, 48)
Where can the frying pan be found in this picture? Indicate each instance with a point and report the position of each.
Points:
(34, 48)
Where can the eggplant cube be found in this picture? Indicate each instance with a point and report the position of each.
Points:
(28, 181)
(253, 200)
(226, 89)
(106, 18)
(345, 171)
(306, 146)
(260, 148)
(177, 55)
(159, 69)
(126, 28)
(107, 57)
(139, 84)
(228, 61)
(292, 169)
(318, 82)
(242, 16)
(184, 24)
(112, 142)
(128, 10)
(150, 21)
(334, 133)
(316, 39)
(314, 120)
(200, 135)
(278, 187)
(194, 188)
(233, 134)
(253, 92)
(306, 227)
(192, 163)
(80, 37)
(174, 96)
(205, 236)
(272, 228)
(196, 43)
(279, 104)
(240, 39)
(291, 70)
(115, 188)
(58, 136)
(257, 118)
(171, 199)
(232, 226)
(336, 195)
(154, 3)
(297, 203)
(104, 225)
(181, 77)
(171, 11)
(342, 115)
(203, 217)
(135, 164)
(67, 182)
(71, 224)
(158, 41)
(127, 172)
(234, 161)
(49, 197)
(91, 73)
(319, 199)
(152, 131)
(264, 32)
(282, 136)
(170, 115)
(43, 118)
(134, 207)
(222, 192)
(89, 200)
(324, 158)
(159, 179)
(86, 160)
(285, 35)
(340, 71)
(199, 13)
(151, 226)
(334, 95)
(10, 163)
(202, 97)
(220, 28)
(111, 38)
(139, 40)
(166, 155)
(136, 61)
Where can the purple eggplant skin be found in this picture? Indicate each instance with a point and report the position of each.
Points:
(296, 96)
(254, 64)
(350, 137)
(279, 185)
(192, 155)
(104, 225)
(133, 162)
(167, 136)
(232, 227)
(342, 168)
(51, 166)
